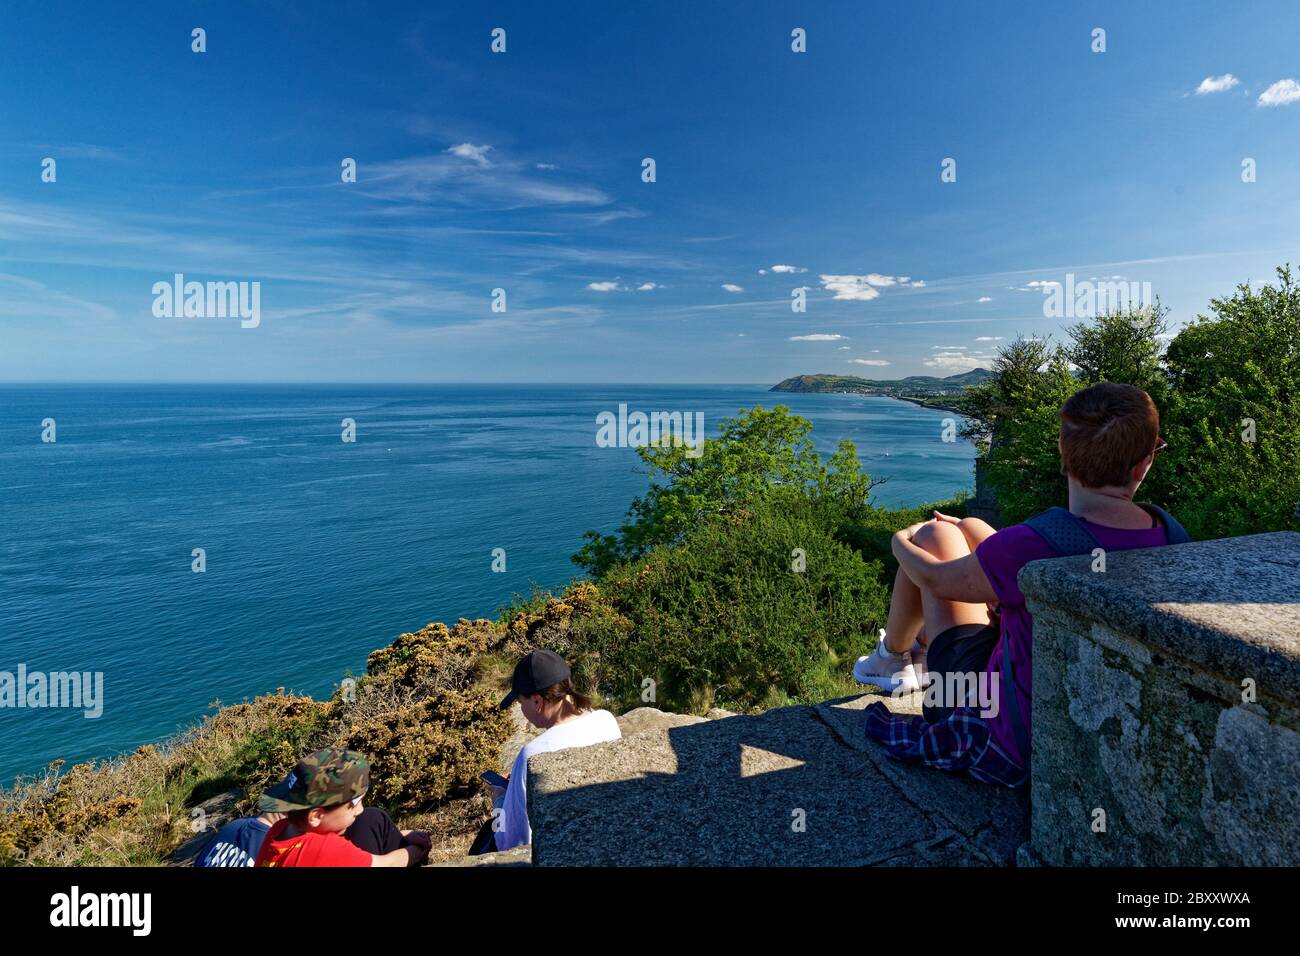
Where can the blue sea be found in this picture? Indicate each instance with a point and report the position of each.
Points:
(318, 551)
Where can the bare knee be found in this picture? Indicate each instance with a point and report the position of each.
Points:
(976, 530)
(942, 539)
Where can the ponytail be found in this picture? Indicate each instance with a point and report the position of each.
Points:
(565, 689)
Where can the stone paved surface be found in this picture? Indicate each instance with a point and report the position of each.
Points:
(734, 791)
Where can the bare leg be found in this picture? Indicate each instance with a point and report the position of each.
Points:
(908, 621)
(905, 622)
(946, 542)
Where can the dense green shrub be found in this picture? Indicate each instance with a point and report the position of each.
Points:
(723, 618)
(697, 590)
(1242, 362)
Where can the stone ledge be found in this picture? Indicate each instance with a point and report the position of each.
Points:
(728, 792)
(1231, 606)
(1148, 750)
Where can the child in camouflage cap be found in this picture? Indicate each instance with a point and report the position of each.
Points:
(321, 799)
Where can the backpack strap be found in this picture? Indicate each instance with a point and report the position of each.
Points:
(1175, 532)
(1065, 533)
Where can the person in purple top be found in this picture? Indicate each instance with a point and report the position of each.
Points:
(958, 627)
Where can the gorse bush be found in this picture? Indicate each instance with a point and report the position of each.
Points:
(422, 718)
(430, 749)
(133, 810)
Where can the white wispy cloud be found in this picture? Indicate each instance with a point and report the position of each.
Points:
(603, 286)
(80, 151)
(952, 362)
(787, 269)
(864, 288)
(868, 362)
(850, 287)
(844, 348)
(545, 166)
(462, 175)
(647, 286)
(988, 338)
(1280, 93)
(732, 287)
(947, 348)
(816, 337)
(986, 298)
(1217, 84)
(475, 154)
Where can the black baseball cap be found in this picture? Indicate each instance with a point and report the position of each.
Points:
(536, 672)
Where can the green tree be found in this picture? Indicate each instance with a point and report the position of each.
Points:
(1125, 346)
(1234, 376)
(758, 453)
(1016, 425)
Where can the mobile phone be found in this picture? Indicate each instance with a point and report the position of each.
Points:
(495, 779)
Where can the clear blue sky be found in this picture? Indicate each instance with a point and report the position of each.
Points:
(523, 171)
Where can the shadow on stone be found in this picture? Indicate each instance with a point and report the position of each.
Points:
(788, 787)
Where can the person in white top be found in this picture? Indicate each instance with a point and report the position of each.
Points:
(543, 685)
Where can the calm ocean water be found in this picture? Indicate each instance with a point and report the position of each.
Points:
(319, 551)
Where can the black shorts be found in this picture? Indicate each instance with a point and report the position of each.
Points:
(963, 649)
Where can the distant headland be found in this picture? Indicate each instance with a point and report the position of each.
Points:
(926, 390)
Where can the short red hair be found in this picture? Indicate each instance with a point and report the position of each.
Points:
(1106, 429)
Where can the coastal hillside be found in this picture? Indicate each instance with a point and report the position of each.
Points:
(914, 386)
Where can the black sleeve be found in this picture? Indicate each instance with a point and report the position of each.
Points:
(374, 832)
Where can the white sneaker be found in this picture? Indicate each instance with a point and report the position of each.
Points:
(883, 668)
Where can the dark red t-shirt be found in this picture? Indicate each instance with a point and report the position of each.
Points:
(309, 849)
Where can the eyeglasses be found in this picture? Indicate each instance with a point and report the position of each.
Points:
(1159, 447)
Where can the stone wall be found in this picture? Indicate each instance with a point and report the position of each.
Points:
(984, 504)
(1166, 705)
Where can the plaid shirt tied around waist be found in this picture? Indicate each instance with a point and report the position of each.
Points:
(959, 743)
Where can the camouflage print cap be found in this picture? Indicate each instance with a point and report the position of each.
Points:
(325, 778)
